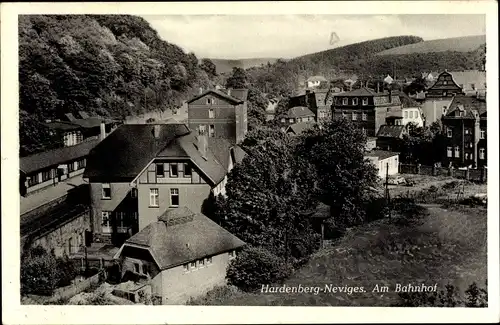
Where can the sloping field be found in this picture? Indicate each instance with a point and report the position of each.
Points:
(457, 44)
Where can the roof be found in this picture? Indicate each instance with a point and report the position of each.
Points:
(127, 150)
(391, 131)
(90, 122)
(240, 94)
(299, 111)
(360, 92)
(381, 154)
(406, 101)
(86, 123)
(238, 154)
(298, 128)
(468, 104)
(181, 236)
(221, 149)
(465, 77)
(316, 78)
(55, 157)
(60, 125)
(218, 93)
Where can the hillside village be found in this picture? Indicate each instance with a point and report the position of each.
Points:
(184, 203)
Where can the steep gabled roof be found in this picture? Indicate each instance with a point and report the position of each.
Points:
(391, 131)
(218, 93)
(468, 104)
(299, 111)
(180, 236)
(55, 157)
(126, 151)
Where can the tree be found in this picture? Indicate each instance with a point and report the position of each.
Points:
(267, 207)
(209, 67)
(422, 144)
(257, 105)
(416, 86)
(37, 272)
(238, 79)
(345, 178)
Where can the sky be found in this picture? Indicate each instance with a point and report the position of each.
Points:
(287, 36)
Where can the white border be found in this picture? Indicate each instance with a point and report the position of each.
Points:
(14, 313)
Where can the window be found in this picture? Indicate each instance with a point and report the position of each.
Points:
(211, 131)
(209, 100)
(365, 101)
(153, 197)
(160, 170)
(136, 267)
(482, 134)
(405, 114)
(481, 153)
(46, 175)
(344, 101)
(232, 254)
(445, 82)
(471, 145)
(106, 222)
(187, 170)
(33, 180)
(457, 152)
(461, 113)
(343, 115)
(322, 114)
(209, 260)
(466, 131)
(121, 222)
(201, 263)
(71, 167)
(449, 132)
(106, 191)
(81, 164)
(473, 86)
(283, 120)
(364, 116)
(133, 193)
(145, 269)
(290, 120)
(174, 170)
(416, 114)
(192, 265)
(174, 197)
(471, 156)
(444, 93)
(354, 116)
(449, 152)
(411, 114)
(355, 101)
(466, 156)
(186, 267)
(211, 113)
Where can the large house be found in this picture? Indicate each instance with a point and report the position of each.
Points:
(368, 109)
(464, 125)
(296, 115)
(219, 114)
(178, 256)
(385, 162)
(472, 82)
(319, 101)
(141, 170)
(411, 110)
(439, 96)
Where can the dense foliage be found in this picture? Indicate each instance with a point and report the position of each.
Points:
(42, 272)
(450, 297)
(422, 145)
(255, 267)
(111, 65)
(345, 178)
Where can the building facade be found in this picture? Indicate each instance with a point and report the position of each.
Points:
(386, 162)
(220, 115)
(464, 127)
(367, 109)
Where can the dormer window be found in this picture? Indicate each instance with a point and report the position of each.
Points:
(209, 101)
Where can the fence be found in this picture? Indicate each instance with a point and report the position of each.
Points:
(476, 175)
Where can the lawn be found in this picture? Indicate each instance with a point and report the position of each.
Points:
(443, 246)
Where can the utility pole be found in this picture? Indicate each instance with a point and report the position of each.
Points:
(387, 196)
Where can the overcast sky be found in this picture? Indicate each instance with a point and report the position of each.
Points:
(287, 36)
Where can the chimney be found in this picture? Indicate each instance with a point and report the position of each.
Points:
(200, 90)
(229, 91)
(103, 131)
(156, 131)
(202, 143)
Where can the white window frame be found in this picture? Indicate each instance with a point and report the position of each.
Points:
(364, 116)
(154, 195)
(449, 132)
(355, 101)
(187, 166)
(156, 169)
(209, 101)
(354, 116)
(201, 263)
(202, 128)
(449, 151)
(133, 193)
(174, 192)
(345, 101)
(121, 218)
(106, 229)
(364, 101)
(405, 114)
(193, 267)
(482, 152)
(290, 120)
(457, 152)
(208, 261)
(171, 168)
(211, 130)
(106, 186)
(482, 134)
(283, 120)
(211, 112)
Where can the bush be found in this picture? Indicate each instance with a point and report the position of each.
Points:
(65, 271)
(37, 272)
(254, 267)
(474, 297)
(215, 296)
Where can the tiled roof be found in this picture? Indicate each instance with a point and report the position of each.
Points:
(86, 123)
(126, 151)
(221, 149)
(298, 128)
(194, 237)
(218, 93)
(60, 125)
(359, 92)
(465, 77)
(238, 154)
(240, 94)
(55, 157)
(468, 104)
(381, 154)
(391, 131)
(299, 111)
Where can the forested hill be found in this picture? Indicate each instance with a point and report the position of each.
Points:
(113, 65)
(360, 59)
